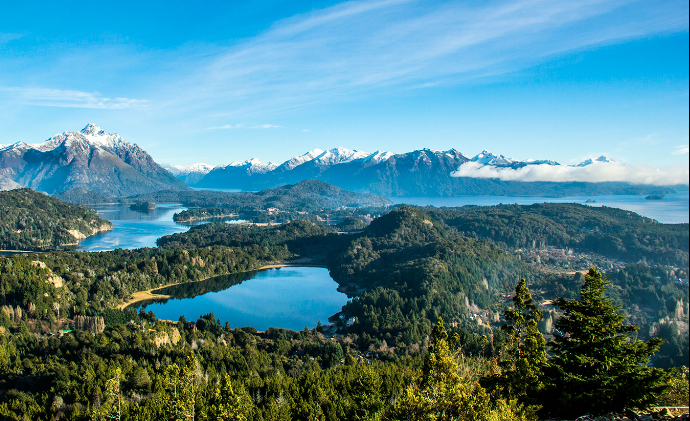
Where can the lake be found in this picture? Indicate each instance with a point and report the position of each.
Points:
(672, 209)
(288, 297)
(135, 229)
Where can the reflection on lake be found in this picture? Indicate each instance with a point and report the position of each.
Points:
(289, 297)
(672, 209)
(134, 229)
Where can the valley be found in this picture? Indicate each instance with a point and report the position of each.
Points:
(310, 288)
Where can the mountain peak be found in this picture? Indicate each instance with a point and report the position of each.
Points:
(487, 158)
(92, 129)
(600, 160)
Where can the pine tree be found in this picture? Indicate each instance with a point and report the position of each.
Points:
(599, 367)
(522, 375)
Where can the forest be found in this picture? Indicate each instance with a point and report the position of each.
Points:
(33, 221)
(66, 352)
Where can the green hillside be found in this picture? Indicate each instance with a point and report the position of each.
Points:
(34, 221)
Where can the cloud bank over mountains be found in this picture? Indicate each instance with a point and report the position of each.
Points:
(593, 173)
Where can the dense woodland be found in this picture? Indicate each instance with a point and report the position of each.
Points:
(34, 221)
(406, 270)
(303, 196)
(611, 232)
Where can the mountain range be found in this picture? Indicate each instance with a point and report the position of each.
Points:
(424, 172)
(89, 159)
(93, 162)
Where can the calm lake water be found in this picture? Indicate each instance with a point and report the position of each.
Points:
(289, 297)
(672, 209)
(134, 229)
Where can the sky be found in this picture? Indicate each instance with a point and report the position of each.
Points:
(217, 82)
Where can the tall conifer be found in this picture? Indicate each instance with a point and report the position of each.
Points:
(599, 367)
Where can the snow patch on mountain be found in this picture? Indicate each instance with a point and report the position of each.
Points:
(253, 166)
(594, 161)
(91, 135)
(487, 158)
(339, 155)
(299, 160)
(377, 157)
(200, 168)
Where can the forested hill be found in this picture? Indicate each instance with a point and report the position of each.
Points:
(611, 232)
(34, 221)
(406, 268)
(413, 270)
(307, 195)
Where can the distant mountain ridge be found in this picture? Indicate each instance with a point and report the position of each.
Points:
(88, 159)
(424, 172)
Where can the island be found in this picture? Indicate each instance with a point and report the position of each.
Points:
(143, 206)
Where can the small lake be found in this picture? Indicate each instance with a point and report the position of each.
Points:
(288, 297)
(672, 209)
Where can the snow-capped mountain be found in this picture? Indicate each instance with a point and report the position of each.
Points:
(601, 160)
(376, 157)
(423, 172)
(338, 156)
(299, 160)
(189, 174)
(254, 166)
(487, 158)
(350, 169)
(89, 159)
(188, 169)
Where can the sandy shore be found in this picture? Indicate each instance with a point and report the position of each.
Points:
(150, 294)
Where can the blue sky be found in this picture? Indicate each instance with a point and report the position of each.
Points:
(217, 82)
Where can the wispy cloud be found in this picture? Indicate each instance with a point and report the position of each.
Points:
(681, 150)
(358, 47)
(602, 172)
(244, 126)
(7, 37)
(67, 98)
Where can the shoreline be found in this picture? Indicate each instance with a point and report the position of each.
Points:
(150, 294)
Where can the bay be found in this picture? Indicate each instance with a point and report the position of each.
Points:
(287, 297)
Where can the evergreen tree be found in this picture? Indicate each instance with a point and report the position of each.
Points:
(599, 367)
(522, 375)
(229, 405)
